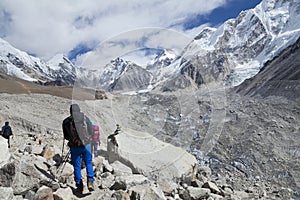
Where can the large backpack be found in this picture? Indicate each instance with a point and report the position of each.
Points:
(6, 132)
(79, 130)
(96, 136)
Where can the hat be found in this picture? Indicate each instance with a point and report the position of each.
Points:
(74, 108)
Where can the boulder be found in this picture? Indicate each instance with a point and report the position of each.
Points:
(120, 169)
(129, 181)
(146, 192)
(37, 149)
(198, 193)
(6, 193)
(7, 173)
(63, 194)
(121, 195)
(147, 155)
(48, 152)
(216, 196)
(107, 180)
(5, 155)
(28, 174)
(25, 148)
(212, 186)
(44, 193)
(67, 169)
(30, 195)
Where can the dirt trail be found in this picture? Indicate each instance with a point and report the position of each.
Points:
(24, 87)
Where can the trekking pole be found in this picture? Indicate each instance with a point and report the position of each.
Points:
(63, 163)
(62, 151)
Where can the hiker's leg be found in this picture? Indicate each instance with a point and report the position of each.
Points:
(87, 157)
(92, 148)
(8, 142)
(96, 149)
(76, 162)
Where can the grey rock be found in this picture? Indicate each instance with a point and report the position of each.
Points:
(107, 180)
(7, 173)
(28, 174)
(44, 193)
(107, 166)
(146, 192)
(158, 164)
(197, 183)
(121, 195)
(37, 149)
(132, 180)
(5, 154)
(30, 195)
(205, 171)
(216, 196)
(212, 186)
(63, 194)
(120, 169)
(198, 193)
(6, 193)
(168, 187)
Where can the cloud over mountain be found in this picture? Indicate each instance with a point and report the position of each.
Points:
(48, 27)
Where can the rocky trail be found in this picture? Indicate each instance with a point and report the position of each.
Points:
(256, 155)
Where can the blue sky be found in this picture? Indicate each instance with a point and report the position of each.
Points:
(221, 14)
(72, 27)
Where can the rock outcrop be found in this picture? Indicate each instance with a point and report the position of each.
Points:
(149, 156)
(5, 155)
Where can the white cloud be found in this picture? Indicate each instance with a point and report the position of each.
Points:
(53, 26)
(132, 41)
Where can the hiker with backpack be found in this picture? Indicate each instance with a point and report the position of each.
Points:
(78, 130)
(6, 132)
(96, 139)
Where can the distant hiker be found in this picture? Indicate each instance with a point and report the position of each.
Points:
(112, 145)
(7, 132)
(78, 130)
(96, 139)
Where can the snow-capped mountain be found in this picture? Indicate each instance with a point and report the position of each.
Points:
(120, 74)
(59, 70)
(62, 69)
(164, 59)
(18, 63)
(233, 52)
(237, 49)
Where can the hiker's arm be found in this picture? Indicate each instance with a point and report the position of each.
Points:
(65, 131)
(89, 126)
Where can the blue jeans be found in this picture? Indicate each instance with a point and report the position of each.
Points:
(85, 152)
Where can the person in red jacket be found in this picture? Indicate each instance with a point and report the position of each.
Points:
(95, 139)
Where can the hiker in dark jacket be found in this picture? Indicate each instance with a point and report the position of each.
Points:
(6, 132)
(78, 130)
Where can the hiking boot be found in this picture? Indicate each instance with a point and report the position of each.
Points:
(79, 187)
(90, 185)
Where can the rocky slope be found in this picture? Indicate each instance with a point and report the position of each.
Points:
(31, 169)
(279, 77)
